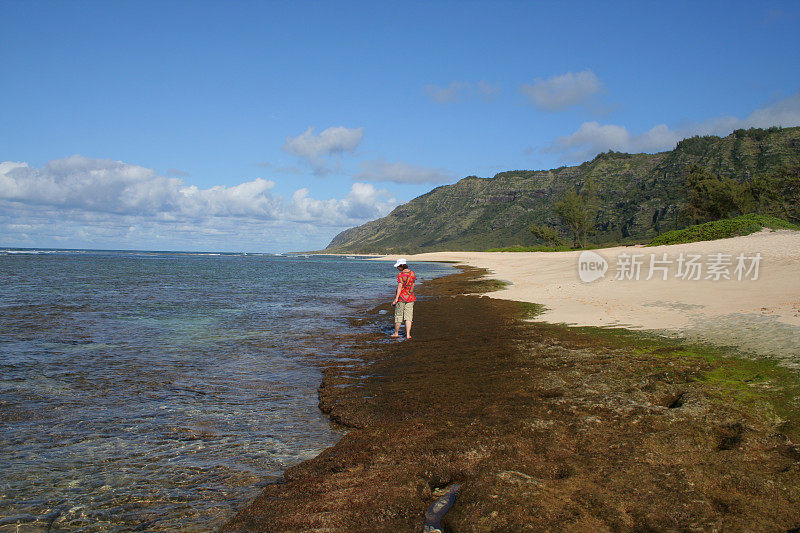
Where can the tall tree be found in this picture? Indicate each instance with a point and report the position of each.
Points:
(579, 211)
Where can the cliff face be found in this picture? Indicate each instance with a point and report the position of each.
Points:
(641, 195)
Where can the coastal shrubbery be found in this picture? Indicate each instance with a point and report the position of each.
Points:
(710, 196)
(532, 249)
(714, 197)
(548, 234)
(723, 229)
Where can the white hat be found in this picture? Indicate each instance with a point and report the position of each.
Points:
(399, 262)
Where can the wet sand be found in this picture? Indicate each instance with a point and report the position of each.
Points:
(546, 427)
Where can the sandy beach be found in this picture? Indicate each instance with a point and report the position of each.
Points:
(759, 315)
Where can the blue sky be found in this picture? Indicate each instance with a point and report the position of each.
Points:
(272, 126)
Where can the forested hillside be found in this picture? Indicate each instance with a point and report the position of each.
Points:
(628, 197)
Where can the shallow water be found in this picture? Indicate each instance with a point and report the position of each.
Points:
(160, 391)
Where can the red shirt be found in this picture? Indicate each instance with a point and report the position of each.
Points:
(407, 279)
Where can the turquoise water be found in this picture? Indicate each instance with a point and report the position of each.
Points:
(159, 391)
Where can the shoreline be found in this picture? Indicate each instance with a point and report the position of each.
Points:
(545, 426)
(759, 316)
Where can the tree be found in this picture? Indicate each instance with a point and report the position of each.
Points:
(777, 193)
(548, 234)
(711, 197)
(579, 211)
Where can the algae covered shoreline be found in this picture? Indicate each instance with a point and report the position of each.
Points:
(545, 426)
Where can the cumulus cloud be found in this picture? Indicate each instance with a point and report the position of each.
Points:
(111, 203)
(562, 91)
(102, 185)
(363, 202)
(592, 138)
(398, 172)
(459, 91)
(314, 149)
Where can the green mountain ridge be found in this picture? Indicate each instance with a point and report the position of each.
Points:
(640, 196)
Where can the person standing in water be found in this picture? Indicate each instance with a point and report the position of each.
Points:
(404, 298)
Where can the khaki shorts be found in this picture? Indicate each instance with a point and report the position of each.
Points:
(403, 311)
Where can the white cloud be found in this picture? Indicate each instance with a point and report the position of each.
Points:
(363, 202)
(487, 90)
(330, 142)
(592, 138)
(565, 90)
(459, 91)
(445, 95)
(102, 185)
(784, 112)
(104, 203)
(398, 172)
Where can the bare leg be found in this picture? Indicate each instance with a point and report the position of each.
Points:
(396, 330)
(408, 329)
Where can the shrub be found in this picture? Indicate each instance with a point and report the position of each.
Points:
(723, 229)
(548, 234)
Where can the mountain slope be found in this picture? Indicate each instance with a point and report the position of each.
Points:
(641, 195)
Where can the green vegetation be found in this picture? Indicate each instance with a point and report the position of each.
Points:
(482, 286)
(712, 197)
(548, 234)
(562, 248)
(761, 384)
(723, 229)
(578, 210)
(634, 198)
(777, 193)
(528, 310)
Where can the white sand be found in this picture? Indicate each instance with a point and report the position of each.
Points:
(760, 315)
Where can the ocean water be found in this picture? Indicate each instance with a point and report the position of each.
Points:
(161, 391)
